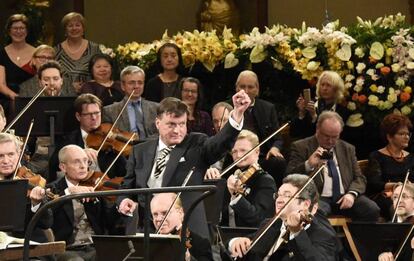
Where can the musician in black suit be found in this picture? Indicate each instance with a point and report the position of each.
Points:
(88, 109)
(199, 248)
(248, 204)
(75, 221)
(151, 164)
(261, 118)
(291, 237)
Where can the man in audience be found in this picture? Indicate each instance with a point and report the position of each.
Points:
(139, 115)
(77, 220)
(88, 110)
(220, 115)
(293, 236)
(341, 183)
(160, 204)
(166, 161)
(262, 119)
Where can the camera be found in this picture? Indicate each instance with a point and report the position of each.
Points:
(327, 155)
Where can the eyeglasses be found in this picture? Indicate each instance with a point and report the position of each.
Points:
(403, 197)
(407, 134)
(43, 57)
(19, 28)
(90, 114)
(286, 196)
(190, 91)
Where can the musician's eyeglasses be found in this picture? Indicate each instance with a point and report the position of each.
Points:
(91, 114)
(286, 196)
(403, 197)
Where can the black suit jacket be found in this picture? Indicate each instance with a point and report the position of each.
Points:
(98, 215)
(256, 206)
(105, 158)
(196, 150)
(317, 243)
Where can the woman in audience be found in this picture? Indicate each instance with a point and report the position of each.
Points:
(329, 94)
(165, 84)
(107, 90)
(389, 165)
(75, 52)
(42, 54)
(191, 94)
(15, 59)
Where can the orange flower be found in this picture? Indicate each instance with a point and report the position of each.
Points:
(405, 96)
(372, 60)
(385, 70)
(355, 97)
(362, 99)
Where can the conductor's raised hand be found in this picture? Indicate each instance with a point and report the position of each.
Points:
(241, 102)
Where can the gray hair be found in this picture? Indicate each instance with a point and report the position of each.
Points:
(131, 69)
(325, 115)
(63, 152)
(248, 73)
(7, 137)
(335, 80)
(222, 104)
(298, 181)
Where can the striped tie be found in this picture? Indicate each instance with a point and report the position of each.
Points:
(161, 161)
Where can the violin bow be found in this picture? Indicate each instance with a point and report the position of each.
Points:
(24, 147)
(397, 254)
(187, 178)
(99, 181)
(260, 234)
(25, 108)
(252, 150)
(222, 118)
(400, 196)
(115, 122)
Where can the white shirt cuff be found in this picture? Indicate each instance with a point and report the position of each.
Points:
(234, 124)
(308, 168)
(35, 208)
(235, 200)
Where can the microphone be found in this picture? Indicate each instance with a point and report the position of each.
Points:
(131, 250)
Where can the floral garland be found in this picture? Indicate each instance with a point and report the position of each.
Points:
(376, 59)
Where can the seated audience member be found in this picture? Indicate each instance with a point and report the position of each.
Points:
(247, 204)
(405, 210)
(139, 115)
(390, 164)
(77, 220)
(170, 65)
(88, 109)
(262, 119)
(290, 237)
(329, 93)
(102, 84)
(9, 161)
(43, 54)
(192, 95)
(3, 120)
(342, 184)
(160, 204)
(75, 52)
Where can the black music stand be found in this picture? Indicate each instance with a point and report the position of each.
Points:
(371, 239)
(13, 193)
(52, 115)
(162, 247)
(212, 204)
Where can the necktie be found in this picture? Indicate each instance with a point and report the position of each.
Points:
(139, 119)
(336, 190)
(161, 161)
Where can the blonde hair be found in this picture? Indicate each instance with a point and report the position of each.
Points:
(335, 81)
(44, 47)
(250, 136)
(409, 187)
(73, 16)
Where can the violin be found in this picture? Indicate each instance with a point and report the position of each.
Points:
(245, 176)
(188, 239)
(101, 182)
(34, 180)
(107, 137)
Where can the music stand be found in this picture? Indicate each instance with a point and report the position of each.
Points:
(13, 193)
(371, 239)
(162, 247)
(227, 233)
(212, 204)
